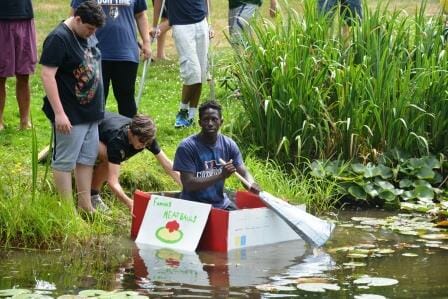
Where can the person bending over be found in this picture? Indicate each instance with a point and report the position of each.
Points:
(121, 138)
(198, 158)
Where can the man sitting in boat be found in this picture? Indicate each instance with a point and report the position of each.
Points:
(198, 160)
(121, 138)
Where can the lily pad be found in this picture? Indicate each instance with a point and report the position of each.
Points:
(376, 281)
(435, 236)
(357, 255)
(274, 288)
(354, 264)
(70, 297)
(13, 292)
(318, 287)
(92, 293)
(369, 296)
(31, 296)
(385, 251)
(410, 254)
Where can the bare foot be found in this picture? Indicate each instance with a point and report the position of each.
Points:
(25, 126)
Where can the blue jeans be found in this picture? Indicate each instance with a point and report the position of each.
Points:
(350, 10)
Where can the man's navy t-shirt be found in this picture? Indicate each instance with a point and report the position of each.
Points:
(186, 12)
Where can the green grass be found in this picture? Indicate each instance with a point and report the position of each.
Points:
(39, 219)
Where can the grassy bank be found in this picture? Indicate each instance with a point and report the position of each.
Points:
(44, 221)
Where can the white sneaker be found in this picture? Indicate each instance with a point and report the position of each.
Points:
(98, 204)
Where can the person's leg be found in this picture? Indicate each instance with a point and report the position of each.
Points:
(191, 94)
(124, 75)
(2, 101)
(23, 100)
(83, 176)
(100, 173)
(161, 40)
(63, 183)
(190, 71)
(84, 166)
(106, 67)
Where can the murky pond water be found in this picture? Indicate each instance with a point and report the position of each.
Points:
(362, 258)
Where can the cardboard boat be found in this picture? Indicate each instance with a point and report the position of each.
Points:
(253, 224)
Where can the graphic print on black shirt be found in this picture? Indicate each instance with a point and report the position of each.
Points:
(87, 77)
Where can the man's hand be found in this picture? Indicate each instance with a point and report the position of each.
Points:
(254, 188)
(155, 32)
(62, 123)
(146, 50)
(211, 32)
(227, 169)
(273, 8)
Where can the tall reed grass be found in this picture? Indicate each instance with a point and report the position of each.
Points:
(308, 92)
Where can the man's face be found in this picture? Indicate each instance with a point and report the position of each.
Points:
(136, 141)
(83, 30)
(210, 121)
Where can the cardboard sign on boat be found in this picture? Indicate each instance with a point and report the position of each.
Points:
(253, 224)
(173, 223)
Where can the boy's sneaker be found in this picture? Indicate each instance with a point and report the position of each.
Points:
(98, 204)
(182, 119)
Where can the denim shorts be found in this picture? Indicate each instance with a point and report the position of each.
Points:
(240, 16)
(349, 9)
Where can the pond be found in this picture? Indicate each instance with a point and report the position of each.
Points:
(372, 254)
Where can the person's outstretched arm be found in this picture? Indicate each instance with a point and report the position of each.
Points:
(167, 165)
(114, 184)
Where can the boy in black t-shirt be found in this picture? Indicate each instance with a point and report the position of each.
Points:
(121, 138)
(74, 102)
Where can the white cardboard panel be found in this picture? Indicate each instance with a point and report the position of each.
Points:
(255, 227)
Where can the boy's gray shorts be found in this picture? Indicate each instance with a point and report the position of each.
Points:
(78, 147)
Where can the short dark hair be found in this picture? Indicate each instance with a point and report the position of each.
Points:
(143, 127)
(210, 105)
(91, 13)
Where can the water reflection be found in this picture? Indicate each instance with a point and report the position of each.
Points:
(237, 268)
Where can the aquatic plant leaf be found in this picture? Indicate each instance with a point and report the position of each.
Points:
(92, 293)
(384, 171)
(443, 223)
(388, 195)
(385, 251)
(312, 279)
(425, 173)
(422, 183)
(376, 281)
(384, 185)
(431, 161)
(369, 296)
(31, 296)
(12, 292)
(354, 264)
(357, 255)
(405, 183)
(358, 168)
(423, 192)
(371, 190)
(274, 288)
(317, 169)
(435, 236)
(70, 297)
(407, 195)
(318, 287)
(357, 192)
(409, 254)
